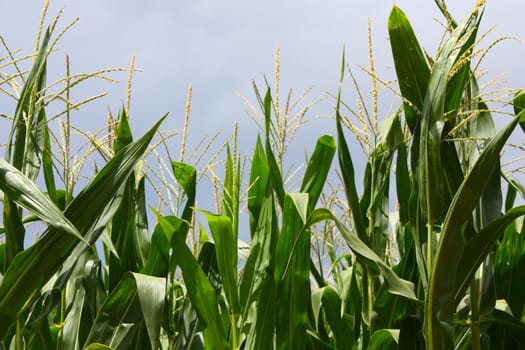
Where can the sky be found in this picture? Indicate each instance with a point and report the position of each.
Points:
(221, 46)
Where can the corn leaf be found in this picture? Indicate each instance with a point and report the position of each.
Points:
(317, 169)
(332, 305)
(292, 274)
(257, 290)
(441, 297)
(199, 288)
(32, 268)
(347, 170)
(159, 255)
(509, 264)
(384, 339)
(226, 250)
(137, 301)
(24, 146)
(98, 346)
(186, 176)
(25, 151)
(258, 185)
(26, 193)
(367, 256)
(275, 172)
(411, 66)
(429, 170)
(232, 188)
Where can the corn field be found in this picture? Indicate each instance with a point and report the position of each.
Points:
(423, 252)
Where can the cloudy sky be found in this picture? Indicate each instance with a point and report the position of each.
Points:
(220, 46)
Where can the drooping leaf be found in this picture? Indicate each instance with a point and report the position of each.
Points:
(159, 255)
(25, 145)
(340, 326)
(186, 176)
(384, 339)
(200, 291)
(89, 212)
(396, 285)
(137, 301)
(26, 193)
(317, 169)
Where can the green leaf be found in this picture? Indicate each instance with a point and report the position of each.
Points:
(199, 288)
(89, 212)
(509, 264)
(25, 144)
(29, 119)
(377, 184)
(138, 299)
(159, 255)
(441, 298)
(14, 230)
(186, 176)
(257, 191)
(411, 334)
(509, 326)
(429, 170)
(367, 256)
(2, 258)
(124, 136)
(129, 232)
(347, 171)
(384, 339)
(292, 266)
(317, 169)
(393, 308)
(275, 172)
(232, 189)
(98, 346)
(84, 295)
(477, 249)
(403, 183)
(47, 167)
(411, 66)
(26, 193)
(519, 102)
(257, 290)
(226, 250)
(332, 306)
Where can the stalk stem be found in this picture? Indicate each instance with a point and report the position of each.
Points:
(235, 339)
(474, 307)
(430, 249)
(62, 319)
(19, 338)
(370, 299)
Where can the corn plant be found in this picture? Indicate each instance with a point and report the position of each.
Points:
(440, 270)
(449, 190)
